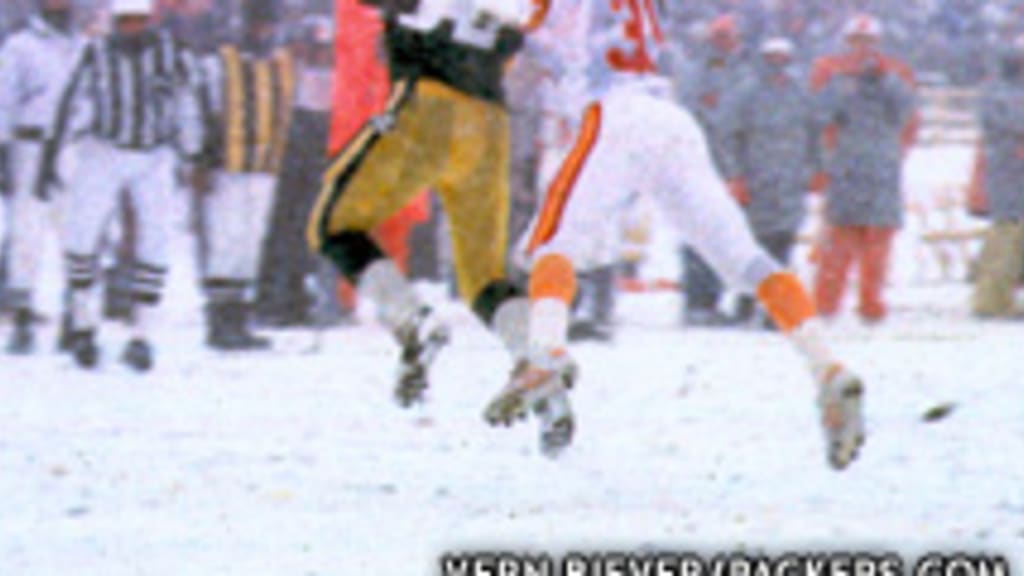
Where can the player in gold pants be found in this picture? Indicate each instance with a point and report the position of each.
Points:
(441, 139)
(432, 136)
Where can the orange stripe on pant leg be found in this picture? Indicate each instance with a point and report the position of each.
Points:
(786, 300)
(553, 277)
(561, 187)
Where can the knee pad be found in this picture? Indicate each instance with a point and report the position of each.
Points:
(352, 253)
(487, 302)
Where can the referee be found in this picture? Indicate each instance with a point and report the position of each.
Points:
(133, 102)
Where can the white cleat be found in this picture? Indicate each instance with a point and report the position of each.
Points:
(421, 340)
(539, 384)
(841, 399)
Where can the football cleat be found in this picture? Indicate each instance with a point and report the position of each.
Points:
(841, 399)
(138, 355)
(23, 338)
(421, 339)
(84, 349)
(65, 338)
(540, 385)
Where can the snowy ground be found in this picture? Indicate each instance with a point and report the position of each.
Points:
(298, 463)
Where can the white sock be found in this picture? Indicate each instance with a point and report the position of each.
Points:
(549, 324)
(145, 317)
(811, 343)
(396, 301)
(84, 308)
(512, 324)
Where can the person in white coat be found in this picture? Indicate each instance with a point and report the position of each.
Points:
(35, 64)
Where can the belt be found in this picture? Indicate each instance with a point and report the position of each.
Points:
(30, 133)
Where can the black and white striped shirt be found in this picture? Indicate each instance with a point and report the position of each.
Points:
(138, 95)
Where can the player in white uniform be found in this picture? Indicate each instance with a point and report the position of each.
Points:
(633, 139)
(35, 64)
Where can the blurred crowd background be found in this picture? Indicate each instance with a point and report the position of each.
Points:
(944, 40)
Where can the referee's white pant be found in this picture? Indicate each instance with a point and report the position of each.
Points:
(236, 214)
(105, 175)
(31, 221)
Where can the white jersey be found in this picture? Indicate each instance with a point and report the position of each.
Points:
(593, 46)
(632, 140)
(35, 65)
(474, 22)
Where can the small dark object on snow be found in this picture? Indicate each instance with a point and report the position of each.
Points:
(938, 412)
(138, 355)
(84, 349)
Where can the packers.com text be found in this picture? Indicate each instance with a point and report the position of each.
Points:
(691, 564)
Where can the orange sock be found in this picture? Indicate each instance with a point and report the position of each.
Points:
(552, 289)
(553, 276)
(786, 300)
(347, 294)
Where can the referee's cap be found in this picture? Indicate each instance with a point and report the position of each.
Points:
(778, 45)
(131, 7)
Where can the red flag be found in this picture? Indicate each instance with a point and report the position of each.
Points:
(360, 78)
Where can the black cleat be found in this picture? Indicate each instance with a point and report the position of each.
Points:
(587, 330)
(229, 331)
(138, 355)
(412, 385)
(707, 318)
(84, 349)
(236, 341)
(421, 340)
(23, 338)
(65, 340)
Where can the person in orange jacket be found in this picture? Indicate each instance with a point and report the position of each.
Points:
(868, 105)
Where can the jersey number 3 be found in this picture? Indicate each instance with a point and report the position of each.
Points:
(641, 24)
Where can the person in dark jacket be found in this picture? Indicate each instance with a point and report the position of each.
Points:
(1002, 122)
(702, 86)
(770, 151)
(249, 92)
(288, 270)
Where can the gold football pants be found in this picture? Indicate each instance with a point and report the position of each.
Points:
(431, 136)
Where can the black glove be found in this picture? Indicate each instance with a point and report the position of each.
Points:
(6, 178)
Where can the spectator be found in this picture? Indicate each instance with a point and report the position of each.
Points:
(199, 23)
(770, 133)
(35, 64)
(287, 266)
(869, 104)
(249, 82)
(719, 67)
(13, 14)
(1002, 122)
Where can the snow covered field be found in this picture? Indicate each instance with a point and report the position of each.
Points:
(299, 463)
